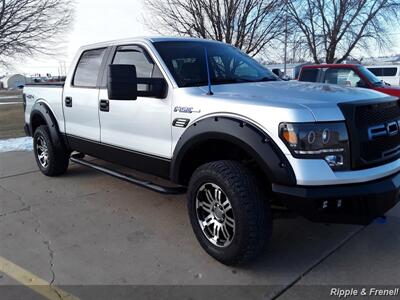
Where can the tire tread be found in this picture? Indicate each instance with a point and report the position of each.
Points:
(254, 204)
(59, 156)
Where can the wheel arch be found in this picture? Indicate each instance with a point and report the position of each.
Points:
(228, 136)
(41, 114)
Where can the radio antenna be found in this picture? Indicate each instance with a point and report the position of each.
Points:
(208, 73)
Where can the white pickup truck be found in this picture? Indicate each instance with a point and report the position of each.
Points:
(226, 130)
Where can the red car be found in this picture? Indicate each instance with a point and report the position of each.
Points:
(350, 75)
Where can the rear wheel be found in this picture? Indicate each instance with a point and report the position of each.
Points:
(229, 212)
(51, 160)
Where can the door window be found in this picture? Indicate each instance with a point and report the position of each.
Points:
(309, 75)
(88, 68)
(135, 55)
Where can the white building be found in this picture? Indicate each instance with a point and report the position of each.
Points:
(13, 81)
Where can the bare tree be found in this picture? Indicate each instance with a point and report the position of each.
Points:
(32, 26)
(247, 24)
(332, 29)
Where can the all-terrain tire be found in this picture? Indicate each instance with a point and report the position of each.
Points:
(250, 209)
(57, 157)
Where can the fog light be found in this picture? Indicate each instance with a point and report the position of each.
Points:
(334, 160)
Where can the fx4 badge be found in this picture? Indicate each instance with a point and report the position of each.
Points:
(187, 110)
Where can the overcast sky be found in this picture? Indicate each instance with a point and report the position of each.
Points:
(95, 21)
(102, 20)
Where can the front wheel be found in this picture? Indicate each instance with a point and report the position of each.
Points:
(229, 212)
(51, 160)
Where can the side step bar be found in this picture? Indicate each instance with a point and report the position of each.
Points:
(143, 183)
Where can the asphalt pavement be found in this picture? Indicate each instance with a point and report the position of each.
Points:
(85, 233)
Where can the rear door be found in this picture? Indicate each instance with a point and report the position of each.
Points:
(81, 95)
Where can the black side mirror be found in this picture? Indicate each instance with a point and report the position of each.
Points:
(122, 82)
(277, 72)
(155, 87)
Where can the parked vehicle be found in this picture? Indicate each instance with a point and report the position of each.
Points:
(348, 75)
(221, 126)
(387, 73)
(278, 72)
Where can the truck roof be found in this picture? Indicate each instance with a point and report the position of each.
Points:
(330, 66)
(151, 39)
(392, 65)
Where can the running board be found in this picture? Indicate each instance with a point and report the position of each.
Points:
(143, 183)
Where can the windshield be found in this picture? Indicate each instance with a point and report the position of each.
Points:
(370, 76)
(187, 64)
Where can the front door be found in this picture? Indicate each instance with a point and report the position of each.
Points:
(142, 125)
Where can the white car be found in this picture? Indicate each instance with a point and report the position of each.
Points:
(388, 73)
(221, 126)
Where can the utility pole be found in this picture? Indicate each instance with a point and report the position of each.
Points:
(286, 40)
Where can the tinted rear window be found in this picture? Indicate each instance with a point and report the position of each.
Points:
(310, 75)
(389, 71)
(88, 68)
(376, 71)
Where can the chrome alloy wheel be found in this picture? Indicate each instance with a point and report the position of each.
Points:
(215, 214)
(42, 152)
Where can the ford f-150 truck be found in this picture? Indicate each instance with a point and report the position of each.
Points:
(220, 126)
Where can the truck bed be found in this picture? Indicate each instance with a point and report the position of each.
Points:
(49, 93)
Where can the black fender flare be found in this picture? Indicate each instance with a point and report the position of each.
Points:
(42, 110)
(243, 134)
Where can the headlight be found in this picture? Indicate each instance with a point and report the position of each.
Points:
(328, 141)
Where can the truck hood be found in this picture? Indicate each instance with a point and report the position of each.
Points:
(319, 98)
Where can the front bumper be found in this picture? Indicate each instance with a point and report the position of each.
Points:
(347, 204)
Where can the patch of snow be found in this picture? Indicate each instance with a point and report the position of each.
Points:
(8, 97)
(8, 103)
(16, 144)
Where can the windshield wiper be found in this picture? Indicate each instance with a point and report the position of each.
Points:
(229, 80)
(239, 80)
(268, 79)
(225, 81)
(195, 83)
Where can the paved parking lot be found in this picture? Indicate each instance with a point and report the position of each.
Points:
(86, 228)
